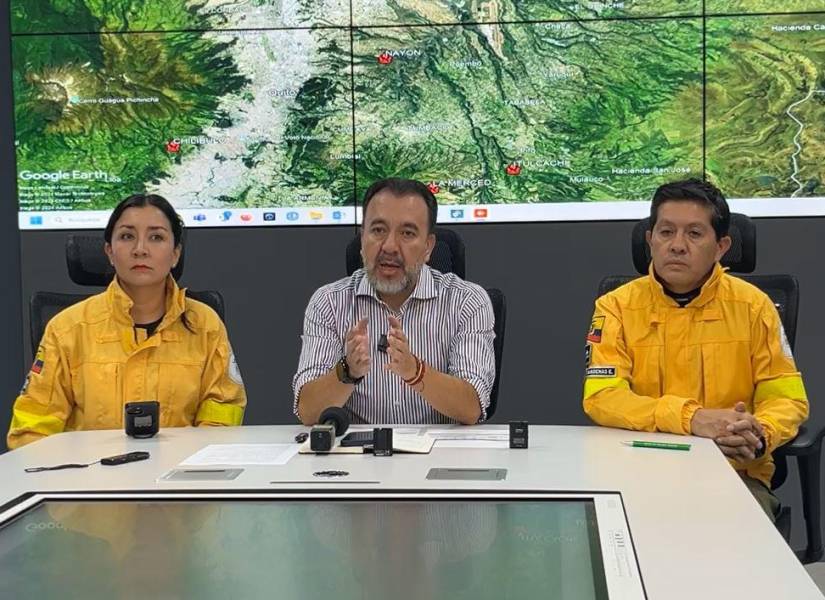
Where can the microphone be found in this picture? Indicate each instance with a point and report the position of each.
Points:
(333, 422)
(383, 344)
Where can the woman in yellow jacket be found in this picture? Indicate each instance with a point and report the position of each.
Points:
(141, 339)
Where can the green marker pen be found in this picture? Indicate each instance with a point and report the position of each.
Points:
(660, 445)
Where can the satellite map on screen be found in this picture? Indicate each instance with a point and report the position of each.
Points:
(247, 105)
(559, 111)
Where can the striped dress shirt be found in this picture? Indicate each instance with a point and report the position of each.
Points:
(449, 325)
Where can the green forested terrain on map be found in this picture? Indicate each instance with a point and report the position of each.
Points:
(251, 102)
(762, 6)
(766, 105)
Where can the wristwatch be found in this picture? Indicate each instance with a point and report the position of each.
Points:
(342, 371)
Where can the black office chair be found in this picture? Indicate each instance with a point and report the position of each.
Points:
(499, 303)
(88, 266)
(448, 257)
(783, 290)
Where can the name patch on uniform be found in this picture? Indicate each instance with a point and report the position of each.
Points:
(595, 333)
(600, 372)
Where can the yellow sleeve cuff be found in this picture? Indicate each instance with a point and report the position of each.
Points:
(670, 414)
(688, 410)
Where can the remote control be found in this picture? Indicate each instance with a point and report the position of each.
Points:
(121, 459)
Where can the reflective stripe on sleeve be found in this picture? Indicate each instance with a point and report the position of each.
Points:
(597, 384)
(23, 422)
(219, 412)
(790, 386)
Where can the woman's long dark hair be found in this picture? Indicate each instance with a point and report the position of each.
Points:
(162, 204)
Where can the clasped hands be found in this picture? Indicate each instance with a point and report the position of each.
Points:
(738, 433)
(357, 348)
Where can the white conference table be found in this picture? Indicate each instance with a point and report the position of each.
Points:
(697, 531)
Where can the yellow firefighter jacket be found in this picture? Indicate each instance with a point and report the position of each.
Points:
(92, 361)
(652, 365)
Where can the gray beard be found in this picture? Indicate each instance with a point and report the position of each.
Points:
(394, 287)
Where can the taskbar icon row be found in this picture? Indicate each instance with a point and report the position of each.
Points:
(448, 214)
(227, 217)
(194, 217)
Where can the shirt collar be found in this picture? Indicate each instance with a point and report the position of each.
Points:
(425, 288)
(363, 286)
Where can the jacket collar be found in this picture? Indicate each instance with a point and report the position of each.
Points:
(708, 293)
(121, 324)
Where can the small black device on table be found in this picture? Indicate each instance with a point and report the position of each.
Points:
(518, 434)
(382, 441)
(118, 459)
(122, 459)
(141, 418)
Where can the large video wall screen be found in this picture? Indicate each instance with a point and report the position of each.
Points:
(281, 112)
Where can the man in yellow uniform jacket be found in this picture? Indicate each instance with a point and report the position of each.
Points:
(689, 349)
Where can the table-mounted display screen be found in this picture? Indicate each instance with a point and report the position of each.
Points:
(315, 545)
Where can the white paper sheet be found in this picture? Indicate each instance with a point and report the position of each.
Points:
(469, 433)
(469, 437)
(242, 455)
(471, 443)
(418, 444)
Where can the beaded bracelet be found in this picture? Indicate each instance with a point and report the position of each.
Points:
(420, 368)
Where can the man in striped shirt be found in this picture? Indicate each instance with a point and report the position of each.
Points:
(397, 342)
